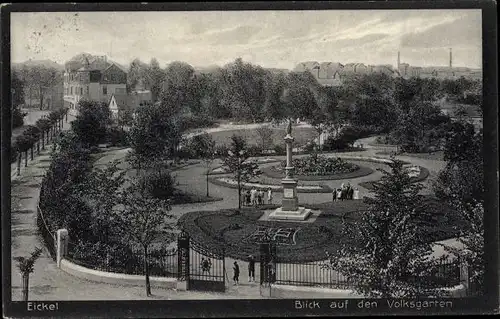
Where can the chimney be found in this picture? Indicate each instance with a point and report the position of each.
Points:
(451, 59)
(399, 59)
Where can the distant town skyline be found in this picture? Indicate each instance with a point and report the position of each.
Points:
(272, 39)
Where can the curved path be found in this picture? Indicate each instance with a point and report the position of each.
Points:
(49, 283)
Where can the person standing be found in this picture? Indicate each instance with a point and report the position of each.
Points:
(350, 193)
(252, 196)
(339, 194)
(269, 196)
(334, 195)
(251, 268)
(236, 273)
(247, 198)
(356, 193)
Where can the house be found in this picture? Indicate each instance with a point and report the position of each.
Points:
(94, 79)
(123, 103)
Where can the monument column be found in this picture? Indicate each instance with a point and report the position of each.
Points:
(290, 209)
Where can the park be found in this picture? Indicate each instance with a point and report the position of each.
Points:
(177, 191)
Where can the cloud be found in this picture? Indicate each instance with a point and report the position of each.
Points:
(462, 32)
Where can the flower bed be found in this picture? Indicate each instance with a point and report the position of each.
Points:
(424, 173)
(318, 165)
(273, 172)
(231, 183)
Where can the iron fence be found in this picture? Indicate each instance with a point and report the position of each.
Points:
(49, 237)
(318, 274)
(121, 259)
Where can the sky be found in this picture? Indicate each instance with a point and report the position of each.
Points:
(274, 39)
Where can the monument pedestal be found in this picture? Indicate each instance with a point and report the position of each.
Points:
(300, 213)
(290, 209)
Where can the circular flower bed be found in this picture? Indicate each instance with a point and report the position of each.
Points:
(318, 165)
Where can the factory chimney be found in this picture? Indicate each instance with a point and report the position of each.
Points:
(451, 59)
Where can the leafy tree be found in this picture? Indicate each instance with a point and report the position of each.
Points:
(136, 74)
(463, 176)
(236, 161)
(142, 219)
(388, 256)
(273, 104)
(265, 135)
(421, 127)
(44, 78)
(178, 87)
(26, 266)
(92, 122)
(155, 134)
(17, 88)
(203, 147)
(244, 87)
(154, 78)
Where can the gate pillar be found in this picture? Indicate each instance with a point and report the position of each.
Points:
(183, 261)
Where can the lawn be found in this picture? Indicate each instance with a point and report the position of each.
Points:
(302, 135)
(238, 231)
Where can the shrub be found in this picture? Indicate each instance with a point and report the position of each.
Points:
(332, 144)
(160, 184)
(117, 137)
(279, 150)
(310, 147)
(18, 117)
(255, 150)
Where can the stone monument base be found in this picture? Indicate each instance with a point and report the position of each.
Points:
(301, 213)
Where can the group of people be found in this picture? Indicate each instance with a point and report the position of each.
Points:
(256, 197)
(271, 270)
(345, 192)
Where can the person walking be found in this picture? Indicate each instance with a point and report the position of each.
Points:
(236, 273)
(334, 195)
(251, 268)
(269, 196)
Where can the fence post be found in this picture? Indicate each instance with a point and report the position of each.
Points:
(62, 245)
(464, 277)
(183, 261)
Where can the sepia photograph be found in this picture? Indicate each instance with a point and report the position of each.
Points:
(298, 155)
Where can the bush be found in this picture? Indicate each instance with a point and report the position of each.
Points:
(18, 117)
(117, 137)
(333, 144)
(255, 150)
(310, 147)
(160, 184)
(279, 150)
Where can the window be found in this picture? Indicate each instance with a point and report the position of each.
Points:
(71, 90)
(104, 90)
(81, 91)
(87, 89)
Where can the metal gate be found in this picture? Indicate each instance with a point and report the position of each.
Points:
(268, 260)
(207, 270)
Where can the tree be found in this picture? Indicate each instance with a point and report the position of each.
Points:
(142, 220)
(203, 147)
(237, 163)
(154, 78)
(44, 78)
(136, 74)
(421, 127)
(26, 266)
(155, 134)
(266, 136)
(92, 122)
(387, 256)
(17, 88)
